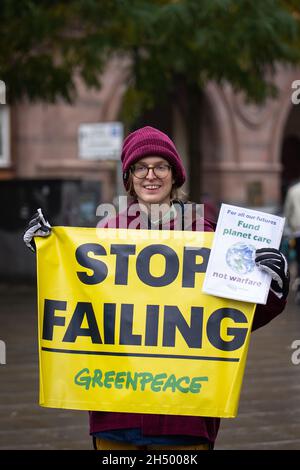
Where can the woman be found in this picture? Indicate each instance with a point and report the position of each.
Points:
(152, 174)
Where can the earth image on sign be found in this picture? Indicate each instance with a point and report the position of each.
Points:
(240, 257)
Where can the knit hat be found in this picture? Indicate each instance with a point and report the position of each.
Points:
(149, 141)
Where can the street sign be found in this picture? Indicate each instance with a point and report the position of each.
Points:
(100, 141)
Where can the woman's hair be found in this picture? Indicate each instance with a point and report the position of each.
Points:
(176, 193)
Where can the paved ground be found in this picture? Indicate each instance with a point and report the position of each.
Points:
(269, 411)
(269, 414)
(23, 423)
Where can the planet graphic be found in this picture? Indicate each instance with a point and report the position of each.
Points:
(240, 258)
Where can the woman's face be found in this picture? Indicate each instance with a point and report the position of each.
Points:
(152, 189)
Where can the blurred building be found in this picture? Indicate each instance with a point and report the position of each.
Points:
(250, 155)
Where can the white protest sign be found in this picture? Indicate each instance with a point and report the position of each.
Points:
(231, 271)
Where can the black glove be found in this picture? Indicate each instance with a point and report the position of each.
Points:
(38, 227)
(274, 263)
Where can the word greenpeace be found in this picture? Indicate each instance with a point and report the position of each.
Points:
(138, 381)
(130, 313)
(2, 352)
(247, 235)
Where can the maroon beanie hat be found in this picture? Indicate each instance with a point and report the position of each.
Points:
(146, 142)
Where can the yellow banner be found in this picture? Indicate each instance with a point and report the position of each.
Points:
(124, 326)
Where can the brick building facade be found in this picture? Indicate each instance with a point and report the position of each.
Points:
(250, 153)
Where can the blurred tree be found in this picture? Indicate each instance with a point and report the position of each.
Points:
(174, 47)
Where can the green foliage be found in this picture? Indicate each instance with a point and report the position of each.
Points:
(173, 45)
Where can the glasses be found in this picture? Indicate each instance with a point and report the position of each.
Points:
(160, 171)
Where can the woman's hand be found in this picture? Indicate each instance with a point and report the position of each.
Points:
(38, 227)
(274, 263)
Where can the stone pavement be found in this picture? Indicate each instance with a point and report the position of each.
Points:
(269, 412)
(23, 423)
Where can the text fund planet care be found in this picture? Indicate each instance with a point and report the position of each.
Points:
(248, 235)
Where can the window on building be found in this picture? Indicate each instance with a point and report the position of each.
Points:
(4, 137)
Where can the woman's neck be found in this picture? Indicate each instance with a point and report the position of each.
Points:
(157, 212)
